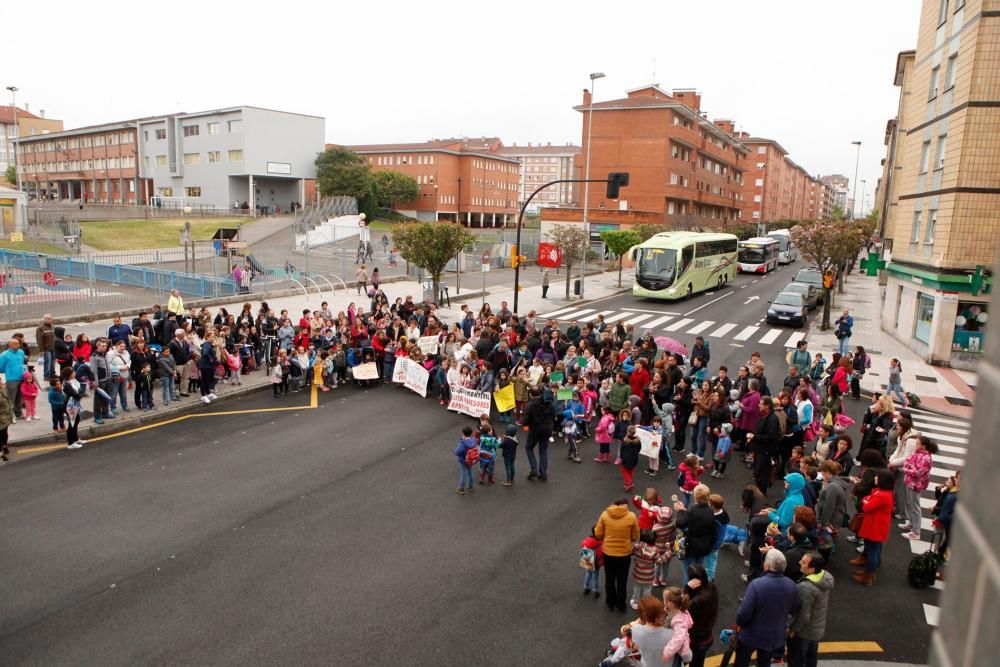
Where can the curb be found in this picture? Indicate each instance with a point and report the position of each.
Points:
(92, 430)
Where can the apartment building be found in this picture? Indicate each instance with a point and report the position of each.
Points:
(838, 185)
(541, 164)
(945, 190)
(460, 179)
(27, 125)
(774, 187)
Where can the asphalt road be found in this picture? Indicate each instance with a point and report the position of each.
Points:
(333, 536)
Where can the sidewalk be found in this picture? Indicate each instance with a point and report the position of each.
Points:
(933, 384)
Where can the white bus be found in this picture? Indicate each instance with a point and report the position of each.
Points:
(758, 255)
(787, 252)
(675, 265)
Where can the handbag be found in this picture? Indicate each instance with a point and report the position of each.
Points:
(693, 419)
(854, 525)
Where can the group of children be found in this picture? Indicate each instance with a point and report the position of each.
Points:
(479, 448)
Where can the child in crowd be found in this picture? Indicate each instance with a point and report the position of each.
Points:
(603, 435)
(487, 453)
(621, 429)
(326, 370)
(234, 366)
(648, 505)
(570, 431)
(144, 388)
(29, 396)
(467, 453)
(194, 377)
(603, 392)
(678, 649)
(643, 562)
(444, 385)
(665, 530)
(629, 453)
(792, 465)
(717, 503)
(57, 402)
(589, 398)
(687, 479)
(520, 382)
(509, 448)
(722, 449)
(591, 560)
(168, 373)
(663, 423)
(817, 367)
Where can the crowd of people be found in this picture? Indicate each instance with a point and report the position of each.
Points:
(575, 382)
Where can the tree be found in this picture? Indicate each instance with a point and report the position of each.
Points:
(573, 242)
(838, 213)
(340, 172)
(647, 231)
(828, 244)
(431, 245)
(619, 242)
(11, 175)
(394, 187)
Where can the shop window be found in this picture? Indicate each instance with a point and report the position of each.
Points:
(970, 327)
(925, 316)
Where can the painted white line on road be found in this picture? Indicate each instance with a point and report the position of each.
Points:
(938, 427)
(794, 339)
(603, 313)
(737, 345)
(931, 417)
(755, 281)
(743, 286)
(658, 321)
(637, 318)
(698, 328)
(746, 333)
(952, 449)
(927, 503)
(947, 438)
(655, 312)
(932, 614)
(943, 473)
(917, 546)
(556, 312)
(574, 314)
(951, 460)
(708, 304)
(770, 336)
(722, 331)
(680, 324)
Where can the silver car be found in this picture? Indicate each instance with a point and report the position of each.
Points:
(810, 292)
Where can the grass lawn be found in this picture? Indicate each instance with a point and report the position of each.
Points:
(147, 234)
(32, 246)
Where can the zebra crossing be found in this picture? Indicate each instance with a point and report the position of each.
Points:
(674, 324)
(952, 437)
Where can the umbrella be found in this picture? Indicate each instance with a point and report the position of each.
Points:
(670, 345)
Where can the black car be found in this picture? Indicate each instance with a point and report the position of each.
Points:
(787, 308)
(812, 277)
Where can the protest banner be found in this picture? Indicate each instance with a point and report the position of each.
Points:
(504, 398)
(469, 402)
(416, 378)
(428, 344)
(367, 371)
(399, 370)
(649, 441)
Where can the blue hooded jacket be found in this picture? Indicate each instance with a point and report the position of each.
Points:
(785, 513)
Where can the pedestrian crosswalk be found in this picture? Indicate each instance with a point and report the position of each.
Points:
(673, 323)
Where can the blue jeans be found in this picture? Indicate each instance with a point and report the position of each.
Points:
(873, 552)
(699, 438)
(466, 474)
(665, 451)
(688, 561)
(591, 580)
(845, 345)
(803, 652)
(508, 465)
(169, 390)
(710, 562)
(49, 363)
(119, 393)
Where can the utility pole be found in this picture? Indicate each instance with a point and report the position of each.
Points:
(586, 183)
(854, 201)
(17, 135)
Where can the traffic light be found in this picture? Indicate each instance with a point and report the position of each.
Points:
(616, 180)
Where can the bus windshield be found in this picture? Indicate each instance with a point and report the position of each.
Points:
(752, 255)
(657, 263)
(783, 242)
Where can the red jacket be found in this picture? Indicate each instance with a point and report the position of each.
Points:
(647, 512)
(877, 519)
(639, 380)
(840, 379)
(597, 546)
(690, 476)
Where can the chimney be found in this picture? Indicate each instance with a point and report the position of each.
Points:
(41, 112)
(586, 97)
(529, 144)
(26, 107)
(549, 143)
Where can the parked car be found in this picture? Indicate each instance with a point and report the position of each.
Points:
(810, 292)
(787, 308)
(812, 277)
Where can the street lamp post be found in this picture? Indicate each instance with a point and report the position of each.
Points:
(854, 193)
(862, 211)
(586, 187)
(17, 135)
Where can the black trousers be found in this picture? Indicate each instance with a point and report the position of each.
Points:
(762, 470)
(616, 580)
(71, 428)
(206, 380)
(743, 657)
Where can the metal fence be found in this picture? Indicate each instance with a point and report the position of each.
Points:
(45, 211)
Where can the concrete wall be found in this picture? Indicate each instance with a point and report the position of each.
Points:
(283, 139)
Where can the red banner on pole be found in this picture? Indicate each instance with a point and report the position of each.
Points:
(549, 255)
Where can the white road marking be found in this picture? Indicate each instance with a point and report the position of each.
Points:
(655, 312)
(755, 281)
(927, 503)
(637, 318)
(770, 336)
(658, 321)
(698, 328)
(942, 473)
(952, 449)
(707, 304)
(722, 331)
(921, 424)
(949, 459)
(794, 339)
(932, 417)
(737, 345)
(743, 286)
(946, 438)
(556, 312)
(680, 324)
(746, 333)
(574, 314)
(932, 614)
(603, 313)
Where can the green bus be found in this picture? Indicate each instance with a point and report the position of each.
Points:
(675, 265)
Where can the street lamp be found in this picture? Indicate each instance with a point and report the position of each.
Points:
(863, 182)
(17, 134)
(594, 76)
(854, 193)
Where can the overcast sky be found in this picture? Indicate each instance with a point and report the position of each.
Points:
(812, 75)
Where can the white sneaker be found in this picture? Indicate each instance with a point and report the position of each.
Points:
(206, 400)
(75, 445)
(212, 396)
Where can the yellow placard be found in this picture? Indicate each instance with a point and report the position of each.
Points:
(504, 398)
(16, 236)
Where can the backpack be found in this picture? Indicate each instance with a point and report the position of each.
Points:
(680, 545)
(913, 399)
(923, 569)
(588, 559)
(472, 456)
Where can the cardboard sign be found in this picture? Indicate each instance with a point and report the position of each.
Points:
(469, 402)
(565, 394)
(416, 377)
(428, 344)
(504, 398)
(650, 442)
(399, 370)
(556, 376)
(367, 371)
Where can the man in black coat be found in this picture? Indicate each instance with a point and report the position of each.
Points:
(538, 417)
(764, 444)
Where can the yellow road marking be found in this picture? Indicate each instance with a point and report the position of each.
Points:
(313, 403)
(824, 647)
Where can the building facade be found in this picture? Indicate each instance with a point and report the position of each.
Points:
(682, 166)
(541, 164)
(464, 180)
(774, 187)
(838, 185)
(942, 218)
(27, 125)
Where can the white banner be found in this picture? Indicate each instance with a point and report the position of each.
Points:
(366, 371)
(469, 402)
(399, 370)
(650, 442)
(428, 344)
(416, 378)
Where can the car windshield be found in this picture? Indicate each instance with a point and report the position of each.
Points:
(659, 263)
(788, 299)
(805, 276)
(800, 288)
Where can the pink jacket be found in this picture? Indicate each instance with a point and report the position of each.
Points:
(680, 641)
(605, 429)
(28, 389)
(751, 411)
(916, 469)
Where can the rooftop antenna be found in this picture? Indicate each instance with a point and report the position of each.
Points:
(654, 70)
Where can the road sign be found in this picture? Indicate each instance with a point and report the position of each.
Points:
(872, 264)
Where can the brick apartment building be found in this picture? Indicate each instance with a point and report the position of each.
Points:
(466, 180)
(682, 166)
(28, 125)
(774, 187)
(944, 192)
(839, 187)
(542, 163)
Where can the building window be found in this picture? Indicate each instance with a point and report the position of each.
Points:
(758, 182)
(942, 143)
(673, 177)
(762, 149)
(212, 128)
(192, 158)
(161, 160)
(161, 134)
(167, 192)
(931, 223)
(236, 156)
(933, 89)
(925, 318)
(192, 130)
(970, 327)
(757, 198)
(215, 156)
(915, 230)
(925, 153)
(943, 13)
(949, 72)
(192, 192)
